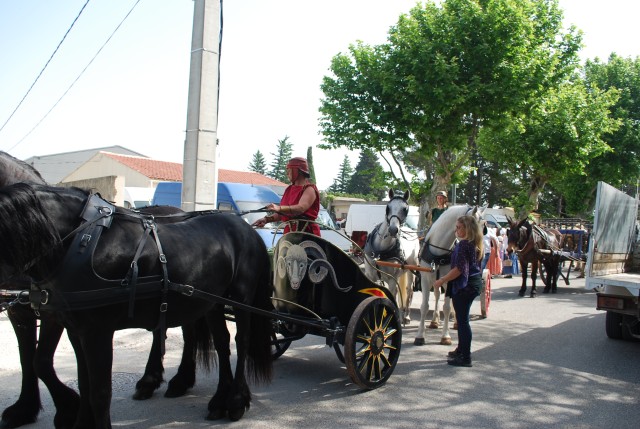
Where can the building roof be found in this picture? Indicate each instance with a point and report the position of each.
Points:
(172, 171)
(56, 167)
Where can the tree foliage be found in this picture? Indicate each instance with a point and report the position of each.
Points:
(341, 182)
(280, 158)
(555, 139)
(258, 164)
(446, 71)
(368, 177)
(621, 166)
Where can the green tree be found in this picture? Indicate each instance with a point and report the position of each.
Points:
(312, 170)
(368, 177)
(446, 71)
(341, 182)
(258, 163)
(554, 140)
(620, 166)
(280, 158)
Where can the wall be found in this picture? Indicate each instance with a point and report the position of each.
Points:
(111, 188)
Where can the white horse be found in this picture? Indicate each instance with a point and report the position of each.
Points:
(391, 242)
(436, 253)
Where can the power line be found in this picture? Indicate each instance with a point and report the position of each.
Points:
(77, 78)
(43, 68)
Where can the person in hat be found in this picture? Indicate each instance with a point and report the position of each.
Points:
(434, 214)
(301, 200)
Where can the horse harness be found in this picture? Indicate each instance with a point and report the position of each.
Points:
(436, 261)
(530, 243)
(77, 267)
(393, 252)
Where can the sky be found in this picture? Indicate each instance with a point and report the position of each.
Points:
(133, 91)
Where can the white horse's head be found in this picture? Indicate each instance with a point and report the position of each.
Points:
(397, 211)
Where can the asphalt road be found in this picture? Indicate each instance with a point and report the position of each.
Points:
(538, 363)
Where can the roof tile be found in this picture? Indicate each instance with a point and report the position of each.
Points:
(172, 171)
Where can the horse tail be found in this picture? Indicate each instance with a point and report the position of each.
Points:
(259, 357)
(203, 343)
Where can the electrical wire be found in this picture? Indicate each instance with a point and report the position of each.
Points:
(77, 78)
(45, 66)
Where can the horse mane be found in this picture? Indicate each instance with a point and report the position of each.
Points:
(14, 170)
(26, 226)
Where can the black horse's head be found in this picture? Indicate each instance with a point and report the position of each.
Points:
(518, 234)
(397, 211)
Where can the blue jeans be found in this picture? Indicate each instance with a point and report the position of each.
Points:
(462, 306)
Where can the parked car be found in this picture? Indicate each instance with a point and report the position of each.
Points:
(242, 197)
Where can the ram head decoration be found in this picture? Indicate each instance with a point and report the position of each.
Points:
(296, 260)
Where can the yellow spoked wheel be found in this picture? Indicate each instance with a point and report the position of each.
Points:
(373, 341)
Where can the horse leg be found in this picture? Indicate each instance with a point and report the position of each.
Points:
(405, 300)
(240, 396)
(554, 275)
(97, 350)
(28, 405)
(221, 338)
(424, 307)
(523, 288)
(84, 418)
(65, 399)
(152, 378)
(446, 336)
(534, 276)
(185, 378)
(435, 319)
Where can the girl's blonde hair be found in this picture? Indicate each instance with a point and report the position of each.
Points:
(474, 232)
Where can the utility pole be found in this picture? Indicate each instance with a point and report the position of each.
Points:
(199, 169)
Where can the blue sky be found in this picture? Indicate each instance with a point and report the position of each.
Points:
(274, 56)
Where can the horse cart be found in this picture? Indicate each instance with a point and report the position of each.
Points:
(573, 253)
(320, 290)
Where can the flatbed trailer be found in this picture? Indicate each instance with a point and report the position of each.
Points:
(613, 262)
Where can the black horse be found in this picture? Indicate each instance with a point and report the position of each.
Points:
(37, 351)
(534, 246)
(207, 255)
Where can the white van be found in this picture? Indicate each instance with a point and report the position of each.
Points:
(362, 218)
(137, 197)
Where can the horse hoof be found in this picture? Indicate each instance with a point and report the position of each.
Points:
(216, 414)
(533, 295)
(545, 290)
(142, 393)
(521, 293)
(18, 421)
(406, 321)
(434, 325)
(418, 342)
(445, 341)
(483, 314)
(235, 415)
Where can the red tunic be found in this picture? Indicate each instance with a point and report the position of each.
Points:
(291, 197)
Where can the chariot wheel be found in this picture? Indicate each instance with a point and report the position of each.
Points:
(280, 341)
(485, 295)
(373, 341)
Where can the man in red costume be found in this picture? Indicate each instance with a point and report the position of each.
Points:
(301, 200)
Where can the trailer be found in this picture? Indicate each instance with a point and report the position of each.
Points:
(613, 262)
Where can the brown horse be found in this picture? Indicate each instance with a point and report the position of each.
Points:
(534, 246)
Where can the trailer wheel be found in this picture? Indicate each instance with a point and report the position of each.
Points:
(613, 325)
(372, 342)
